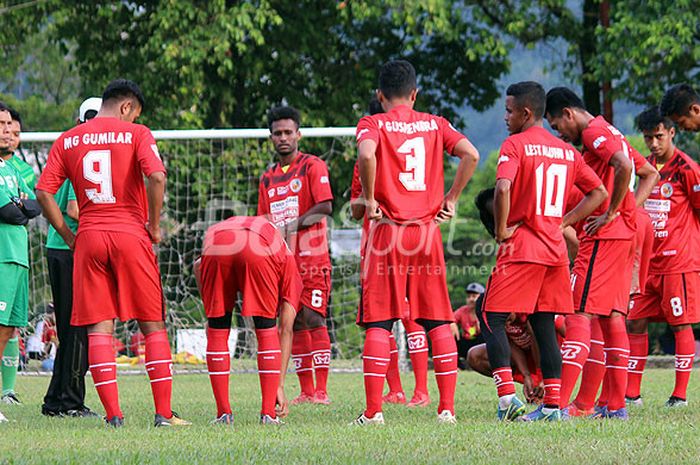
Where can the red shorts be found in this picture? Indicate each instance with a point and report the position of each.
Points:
(317, 287)
(668, 297)
(528, 288)
(643, 249)
(602, 276)
(115, 275)
(263, 280)
(533, 366)
(404, 261)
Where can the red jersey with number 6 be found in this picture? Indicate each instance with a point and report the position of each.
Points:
(409, 185)
(105, 160)
(543, 170)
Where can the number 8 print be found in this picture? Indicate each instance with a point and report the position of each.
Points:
(676, 306)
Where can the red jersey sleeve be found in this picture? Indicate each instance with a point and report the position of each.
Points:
(319, 181)
(601, 142)
(585, 178)
(691, 182)
(147, 152)
(263, 200)
(637, 158)
(367, 129)
(54, 173)
(356, 186)
(450, 136)
(508, 161)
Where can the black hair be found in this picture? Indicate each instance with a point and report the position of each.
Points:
(397, 79)
(4, 107)
(283, 112)
(559, 98)
(375, 106)
(14, 114)
(485, 214)
(90, 114)
(650, 118)
(678, 99)
(528, 94)
(123, 88)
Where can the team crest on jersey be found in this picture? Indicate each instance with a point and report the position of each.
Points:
(271, 192)
(667, 190)
(295, 185)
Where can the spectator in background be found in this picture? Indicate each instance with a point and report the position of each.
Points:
(25, 170)
(66, 393)
(49, 339)
(468, 323)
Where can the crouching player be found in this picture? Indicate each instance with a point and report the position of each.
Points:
(248, 255)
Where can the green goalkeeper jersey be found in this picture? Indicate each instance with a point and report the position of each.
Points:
(63, 196)
(25, 171)
(14, 246)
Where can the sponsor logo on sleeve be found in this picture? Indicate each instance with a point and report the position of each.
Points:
(696, 188)
(324, 179)
(503, 159)
(154, 147)
(598, 141)
(362, 133)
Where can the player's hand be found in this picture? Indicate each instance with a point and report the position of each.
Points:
(282, 407)
(529, 389)
(154, 232)
(595, 223)
(23, 195)
(455, 331)
(447, 211)
(508, 233)
(374, 213)
(70, 241)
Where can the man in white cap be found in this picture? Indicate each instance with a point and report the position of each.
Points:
(468, 323)
(66, 393)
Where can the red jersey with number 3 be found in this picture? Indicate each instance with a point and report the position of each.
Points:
(105, 160)
(543, 170)
(285, 195)
(409, 185)
(674, 208)
(600, 142)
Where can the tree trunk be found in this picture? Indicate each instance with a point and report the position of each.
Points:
(587, 52)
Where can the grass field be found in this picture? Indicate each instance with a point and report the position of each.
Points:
(319, 434)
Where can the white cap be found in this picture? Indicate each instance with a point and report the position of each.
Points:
(475, 288)
(90, 104)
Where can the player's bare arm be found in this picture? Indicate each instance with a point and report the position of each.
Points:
(312, 216)
(572, 242)
(155, 191)
(72, 210)
(367, 160)
(469, 159)
(585, 207)
(648, 178)
(54, 216)
(286, 324)
(501, 209)
(623, 173)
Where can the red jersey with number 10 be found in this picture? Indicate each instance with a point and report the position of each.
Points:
(543, 171)
(409, 185)
(105, 160)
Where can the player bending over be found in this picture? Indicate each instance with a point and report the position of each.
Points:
(400, 156)
(116, 271)
(248, 255)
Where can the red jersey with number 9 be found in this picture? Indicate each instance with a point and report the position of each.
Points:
(409, 185)
(105, 160)
(543, 170)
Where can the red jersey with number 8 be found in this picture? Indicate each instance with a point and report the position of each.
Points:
(105, 160)
(409, 185)
(543, 170)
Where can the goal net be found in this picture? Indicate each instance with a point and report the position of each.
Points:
(212, 175)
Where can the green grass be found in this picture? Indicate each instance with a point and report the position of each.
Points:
(319, 434)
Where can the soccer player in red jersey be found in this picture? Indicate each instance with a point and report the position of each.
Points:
(602, 272)
(415, 334)
(295, 194)
(671, 292)
(248, 255)
(116, 271)
(681, 104)
(535, 175)
(400, 156)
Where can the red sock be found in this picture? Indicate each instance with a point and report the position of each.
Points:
(375, 363)
(593, 370)
(639, 350)
(104, 372)
(445, 362)
(617, 350)
(574, 353)
(685, 353)
(219, 366)
(269, 367)
(393, 377)
(418, 352)
(503, 377)
(159, 366)
(321, 353)
(552, 390)
(604, 391)
(303, 363)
